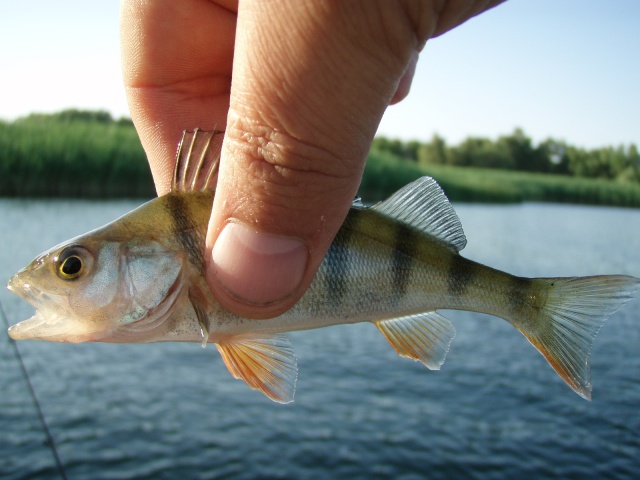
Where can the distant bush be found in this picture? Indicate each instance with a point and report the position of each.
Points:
(69, 115)
(517, 152)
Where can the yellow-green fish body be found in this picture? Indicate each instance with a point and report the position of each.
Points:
(141, 279)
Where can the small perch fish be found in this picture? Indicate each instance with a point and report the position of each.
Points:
(140, 279)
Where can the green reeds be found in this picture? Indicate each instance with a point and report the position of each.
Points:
(41, 157)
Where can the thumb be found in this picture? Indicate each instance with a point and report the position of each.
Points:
(310, 84)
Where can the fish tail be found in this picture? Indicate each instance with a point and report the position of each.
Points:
(565, 320)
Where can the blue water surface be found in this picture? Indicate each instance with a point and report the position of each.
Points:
(496, 410)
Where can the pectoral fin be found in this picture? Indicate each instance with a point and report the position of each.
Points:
(199, 303)
(424, 337)
(265, 362)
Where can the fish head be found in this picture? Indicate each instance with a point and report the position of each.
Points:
(91, 289)
(52, 283)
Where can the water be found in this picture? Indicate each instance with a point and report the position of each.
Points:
(495, 411)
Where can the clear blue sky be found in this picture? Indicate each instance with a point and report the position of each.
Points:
(563, 68)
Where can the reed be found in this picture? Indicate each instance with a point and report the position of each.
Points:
(40, 157)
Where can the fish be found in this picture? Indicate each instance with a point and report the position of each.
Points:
(395, 264)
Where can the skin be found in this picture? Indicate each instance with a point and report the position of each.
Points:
(311, 81)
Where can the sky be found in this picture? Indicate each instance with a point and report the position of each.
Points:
(567, 69)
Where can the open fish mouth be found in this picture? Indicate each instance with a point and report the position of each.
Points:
(51, 326)
(30, 329)
(21, 331)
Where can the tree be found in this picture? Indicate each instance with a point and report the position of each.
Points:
(481, 152)
(434, 152)
(411, 150)
(556, 153)
(523, 154)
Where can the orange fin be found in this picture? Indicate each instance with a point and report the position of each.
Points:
(197, 161)
(424, 337)
(265, 362)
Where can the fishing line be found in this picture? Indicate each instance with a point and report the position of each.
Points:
(34, 398)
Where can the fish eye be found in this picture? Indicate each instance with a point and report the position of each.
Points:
(72, 263)
(71, 266)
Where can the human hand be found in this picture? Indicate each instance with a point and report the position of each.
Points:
(311, 80)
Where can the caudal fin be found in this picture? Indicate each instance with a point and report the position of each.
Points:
(564, 328)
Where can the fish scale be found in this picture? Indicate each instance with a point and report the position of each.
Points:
(141, 279)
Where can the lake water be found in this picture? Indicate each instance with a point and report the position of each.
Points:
(496, 410)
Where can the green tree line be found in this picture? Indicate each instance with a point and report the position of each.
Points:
(518, 152)
(89, 154)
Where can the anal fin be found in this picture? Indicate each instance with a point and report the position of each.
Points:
(265, 362)
(424, 337)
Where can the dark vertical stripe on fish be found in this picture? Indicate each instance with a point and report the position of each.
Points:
(185, 231)
(403, 256)
(460, 275)
(338, 262)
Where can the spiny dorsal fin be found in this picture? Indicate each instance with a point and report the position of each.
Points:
(197, 160)
(423, 205)
(424, 337)
(265, 362)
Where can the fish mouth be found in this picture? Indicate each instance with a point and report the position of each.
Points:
(20, 331)
(22, 289)
(27, 329)
(52, 327)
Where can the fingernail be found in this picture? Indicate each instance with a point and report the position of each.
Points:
(258, 268)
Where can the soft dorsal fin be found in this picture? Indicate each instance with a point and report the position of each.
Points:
(423, 205)
(197, 160)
